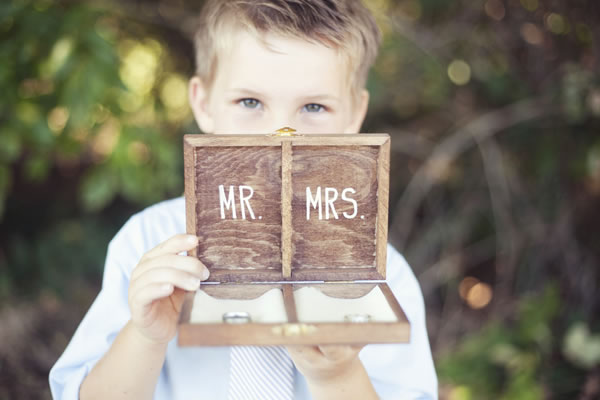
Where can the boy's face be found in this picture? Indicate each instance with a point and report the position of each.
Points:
(290, 82)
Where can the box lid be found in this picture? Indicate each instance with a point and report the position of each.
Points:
(270, 208)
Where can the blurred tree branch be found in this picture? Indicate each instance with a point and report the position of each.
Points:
(477, 130)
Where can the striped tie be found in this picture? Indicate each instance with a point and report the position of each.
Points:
(261, 373)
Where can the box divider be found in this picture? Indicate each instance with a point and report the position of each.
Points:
(186, 308)
(286, 208)
(290, 303)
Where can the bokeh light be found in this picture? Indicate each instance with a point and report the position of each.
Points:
(532, 34)
(495, 9)
(557, 24)
(475, 293)
(61, 50)
(460, 392)
(57, 119)
(584, 33)
(138, 152)
(530, 5)
(459, 72)
(173, 92)
(106, 139)
(139, 67)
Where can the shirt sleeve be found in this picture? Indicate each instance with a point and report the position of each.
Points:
(103, 321)
(403, 371)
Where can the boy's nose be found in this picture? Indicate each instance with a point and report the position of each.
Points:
(281, 119)
(281, 123)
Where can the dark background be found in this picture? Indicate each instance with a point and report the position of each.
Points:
(494, 111)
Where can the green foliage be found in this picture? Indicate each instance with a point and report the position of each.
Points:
(516, 359)
(581, 347)
(85, 98)
(68, 251)
(91, 115)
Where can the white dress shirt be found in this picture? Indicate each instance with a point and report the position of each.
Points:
(397, 371)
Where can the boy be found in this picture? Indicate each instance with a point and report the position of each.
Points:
(261, 65)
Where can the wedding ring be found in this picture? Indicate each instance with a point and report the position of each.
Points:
(357, 318)
(236, 317)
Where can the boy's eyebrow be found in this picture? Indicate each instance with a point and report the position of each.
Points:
(254, 93)
(245, 92)
(321, 97)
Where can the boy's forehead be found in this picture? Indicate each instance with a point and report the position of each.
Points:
(278, 62)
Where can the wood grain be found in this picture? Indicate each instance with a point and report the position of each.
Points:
(387, 292)
(186, 308)
(340, 290)
(383, 179)
(237, 244)
(335, 274)
(261, 250)
(290, 303)
(275, 334)
(372, 139)
(335, 243)
(190, 190)
(315, 250)
(238, 291)
(291, 333)
(244, 275)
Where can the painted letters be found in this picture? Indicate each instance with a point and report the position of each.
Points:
(246, 200)
(346, 198)
(329, 202)
(331, 195)
(229, 201)
(315, 202)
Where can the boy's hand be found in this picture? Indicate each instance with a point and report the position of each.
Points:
(333, 371)
(155, 295)
(322, 363)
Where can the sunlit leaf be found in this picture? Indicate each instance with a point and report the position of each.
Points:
(98, 189)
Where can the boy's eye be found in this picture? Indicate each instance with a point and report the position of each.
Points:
(250, 103)
(313, 107)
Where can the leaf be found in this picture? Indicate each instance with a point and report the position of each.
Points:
(10, 145)
(98, 189)
(580, 347)
(37, 168)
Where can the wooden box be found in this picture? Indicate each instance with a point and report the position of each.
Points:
(294, 232)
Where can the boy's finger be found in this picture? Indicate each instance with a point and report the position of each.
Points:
(311, 354)
(175, 277)
(184, 263)
(151, 292)
(175, 244)
(338, 352)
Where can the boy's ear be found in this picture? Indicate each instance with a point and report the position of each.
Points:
(198, 97)
(360, 112)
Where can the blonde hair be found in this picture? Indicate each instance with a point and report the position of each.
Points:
(344, 25)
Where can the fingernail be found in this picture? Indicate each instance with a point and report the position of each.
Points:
(166, 288)
(205, 274)
(192, 240)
